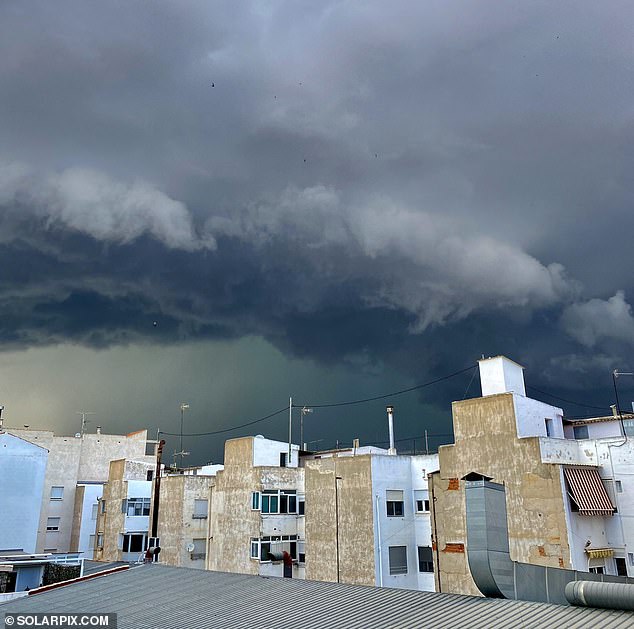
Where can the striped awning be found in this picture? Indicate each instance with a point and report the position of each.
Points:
(588, 491)
(599, 553)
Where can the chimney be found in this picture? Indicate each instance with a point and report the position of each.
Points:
(614, 411)
(98, 430)
(390, 425)
(355, 445)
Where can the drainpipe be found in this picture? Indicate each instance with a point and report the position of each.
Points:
(430, 487)
(378, 529)
(157, 488)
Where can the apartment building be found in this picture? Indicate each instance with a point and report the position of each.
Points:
(72, 463)
(183, 521)
(257, 510)
(568, 484)
(368, 518)
(123, 512)
(22, 470)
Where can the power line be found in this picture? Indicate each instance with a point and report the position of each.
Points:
(329, 405)
(386, 395)
(219, 432)
(561, 399)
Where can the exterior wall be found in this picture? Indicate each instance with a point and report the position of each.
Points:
(531, 418)
(501, 375)
(22, 472)
(266, 452)
(340, 538)
(72, 460)
(486, 442)
(124, 479)
(176, 525)
(233, 523)
(86, 496)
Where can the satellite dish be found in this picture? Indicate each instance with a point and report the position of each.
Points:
(190, 547)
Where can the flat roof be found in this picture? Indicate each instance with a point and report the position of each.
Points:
(155, 595)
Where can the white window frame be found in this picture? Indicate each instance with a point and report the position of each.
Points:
(276, 543)
(137, 504)
(51, 526)
(394, 497)
(255, 501)
(421, 496)
(268, 496)
(61, 493)
(397, 568)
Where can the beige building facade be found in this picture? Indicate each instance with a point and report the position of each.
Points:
(73, 461)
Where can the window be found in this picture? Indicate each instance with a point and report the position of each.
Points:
(279, 501)
(100, 540)
(57, 493)
(425, 559)
(93, 515)
(282, 459)
(91, 542)
(255, 500)
(134, 542)
(619, 486)
(301, 547)
(200, 549)
(200, 509)
(421, 498)
(103, 506)
(398, 559)
(150, 449)
(597, 570)
(301, 506)
(261, 547)
(52, 524)
(580, 432)
(149, 475)
(621, 567)
(630, 556)
(136, 506)
(628, 426)
(394, 503)
(549, 427)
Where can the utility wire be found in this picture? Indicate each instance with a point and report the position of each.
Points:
(386, 395)
(349, 403)
(219, 432)
(561, 399)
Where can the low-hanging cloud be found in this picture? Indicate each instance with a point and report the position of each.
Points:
(92, 203)
(598, 319)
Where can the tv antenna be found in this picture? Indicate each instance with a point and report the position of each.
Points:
(84, 421)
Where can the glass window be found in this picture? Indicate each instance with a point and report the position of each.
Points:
(621, 567)
(549, 427)
(255, 548)
(619, 486)
(200, 509)
(394, 503)
(52, 524)
(57, 493)
(91, 542)
(398, 559)
(200, 549)
(425, 559)
(301, 507)
(138, 506)
(94, 512)
(580, 432)
(421, 496)
(255, 500)
(628, 426)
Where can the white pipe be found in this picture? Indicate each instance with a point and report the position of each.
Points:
(378, 537)
(390, 424)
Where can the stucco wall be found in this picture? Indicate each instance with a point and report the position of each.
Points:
(22, 472)
(487, 443)
(346, 483)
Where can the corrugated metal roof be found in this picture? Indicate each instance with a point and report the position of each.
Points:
(160, 596)
(91, 566)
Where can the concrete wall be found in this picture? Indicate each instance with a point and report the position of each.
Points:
(176, 526)
(531, 416)
(266, 452)
(501, 375)
(340, 520)
(486, 442)
(22, 472)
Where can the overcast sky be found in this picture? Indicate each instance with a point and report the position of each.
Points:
(232, 203)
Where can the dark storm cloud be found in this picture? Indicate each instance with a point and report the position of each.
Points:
(419, 183)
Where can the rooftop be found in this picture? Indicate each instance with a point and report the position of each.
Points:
(161, 596)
